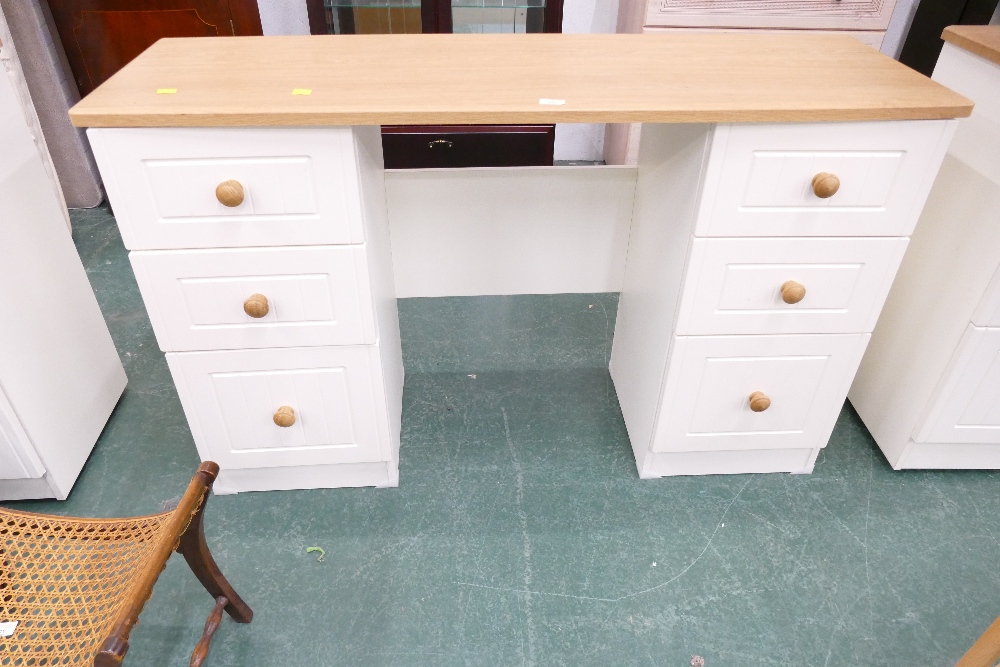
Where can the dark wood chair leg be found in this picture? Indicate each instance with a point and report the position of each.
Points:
(200, 652)
(194, 548)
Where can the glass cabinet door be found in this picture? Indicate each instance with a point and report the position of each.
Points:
(366, 17)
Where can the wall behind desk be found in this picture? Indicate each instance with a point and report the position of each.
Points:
(530, 230)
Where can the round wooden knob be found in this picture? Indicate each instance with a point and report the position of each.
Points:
(825, 185)
(792, 292)
(229, 193)
(284, 416)
(256, 305)
(758, 402)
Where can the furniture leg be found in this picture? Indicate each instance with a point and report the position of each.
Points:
(194, 548)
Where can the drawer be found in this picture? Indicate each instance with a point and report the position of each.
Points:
(829, 14)
(966, 409)
(232, 399)
(736, 286)
(460, 146)
(759, 178)
(202, 299)
(299, 186)
(710, 379)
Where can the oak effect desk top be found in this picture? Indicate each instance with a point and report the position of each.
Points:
(534, 78)
(983, 40)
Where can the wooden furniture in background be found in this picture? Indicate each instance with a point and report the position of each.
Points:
(724, 216)
(865, 20)
(60, 375)
(96, 576)
(101, 36)
(923, 40)
(927, 387)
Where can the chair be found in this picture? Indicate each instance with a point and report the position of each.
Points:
(76, 587)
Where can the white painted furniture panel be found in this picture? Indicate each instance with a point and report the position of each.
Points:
(528, 230)
(709, 380)
(967, 408)
(988, 312)
(317, 295)
(849, 15)
(759, 178)
(733, 286)
(18, 459)
(60, 375)
(300, 186)
(231, 397)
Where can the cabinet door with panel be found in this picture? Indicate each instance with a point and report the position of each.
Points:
(967, 407)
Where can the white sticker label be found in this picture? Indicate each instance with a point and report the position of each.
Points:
(7, 628)
(546, 100)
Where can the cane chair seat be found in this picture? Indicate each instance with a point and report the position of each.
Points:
(75, 587)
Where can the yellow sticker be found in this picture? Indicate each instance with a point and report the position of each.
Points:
(301, 91)
(166, 91)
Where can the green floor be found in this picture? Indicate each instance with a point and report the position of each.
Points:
(520, 533)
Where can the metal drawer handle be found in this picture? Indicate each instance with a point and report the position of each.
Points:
(825, 185)
(229, 193)
(256, 306)
(444, 143)
(792, 292)
(284, 416)
(758, 402)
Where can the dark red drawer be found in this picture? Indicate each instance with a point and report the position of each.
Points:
(426, 146)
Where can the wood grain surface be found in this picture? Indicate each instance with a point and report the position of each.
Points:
(983, 40)
(531, 78)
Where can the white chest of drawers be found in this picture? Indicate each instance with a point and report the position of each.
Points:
(759, 257)
(276, 310)
(928, 387)
(745, 312)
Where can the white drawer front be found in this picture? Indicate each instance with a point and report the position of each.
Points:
(230, 399)
(315, 296)
(967, 407)
(706, 402)
(734, 286)
(300, 186)
(759, 178)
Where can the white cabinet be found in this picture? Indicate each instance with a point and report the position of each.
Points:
(750, 292)
(60, 375)
(928, 388)
(276, 307)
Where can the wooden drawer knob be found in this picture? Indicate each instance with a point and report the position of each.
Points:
(284, 416)
(758, 402)
(229, 193)
(792, 292)
(256, 305)
(825, 185)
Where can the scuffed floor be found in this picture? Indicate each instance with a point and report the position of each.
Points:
(521, 535)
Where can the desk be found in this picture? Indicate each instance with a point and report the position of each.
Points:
(778, 182)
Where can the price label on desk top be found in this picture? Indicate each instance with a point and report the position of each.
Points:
(7, 628)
